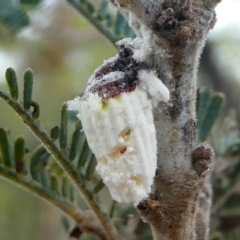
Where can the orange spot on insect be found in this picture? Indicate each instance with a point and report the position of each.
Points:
(117, 152)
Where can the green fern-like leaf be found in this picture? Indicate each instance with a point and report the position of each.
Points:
(12, 16)
(110, 22)
(19, 154)
(75, 158)
(43, 178)
(6, 149)
(37, 163)
(33, 181)
(15, 164)
(208, 107)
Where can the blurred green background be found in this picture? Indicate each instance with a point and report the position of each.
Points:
(63, 50)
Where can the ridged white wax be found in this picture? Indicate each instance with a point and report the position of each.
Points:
(121, 133)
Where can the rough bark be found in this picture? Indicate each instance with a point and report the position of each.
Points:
(176, 33)
(202, 218)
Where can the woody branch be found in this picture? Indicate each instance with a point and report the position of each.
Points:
(174, 33)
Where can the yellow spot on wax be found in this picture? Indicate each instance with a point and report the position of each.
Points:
(137, 179)
(125, 134)
(105, 104)
(118, 99)
(117, 152)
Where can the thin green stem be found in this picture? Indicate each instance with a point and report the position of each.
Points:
(62, 160)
